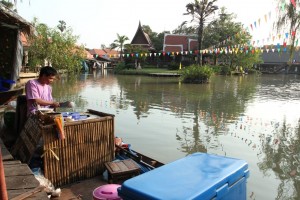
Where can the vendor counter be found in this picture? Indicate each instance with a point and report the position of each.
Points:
(88, 144)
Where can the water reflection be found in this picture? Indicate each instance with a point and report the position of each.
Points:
(253, 118)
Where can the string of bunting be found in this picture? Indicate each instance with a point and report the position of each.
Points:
(236, 49)
(254, 46)
(280, 38)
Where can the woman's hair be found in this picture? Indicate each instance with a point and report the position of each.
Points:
(48, 71)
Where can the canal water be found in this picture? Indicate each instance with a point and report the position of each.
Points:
(255, 118)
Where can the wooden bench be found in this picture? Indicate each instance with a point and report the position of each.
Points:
(121, 170)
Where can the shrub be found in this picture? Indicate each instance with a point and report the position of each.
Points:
(226, 70)
(173, 66)
(196, 74)
(120, 67)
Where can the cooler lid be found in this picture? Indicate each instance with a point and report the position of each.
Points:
(198, 175)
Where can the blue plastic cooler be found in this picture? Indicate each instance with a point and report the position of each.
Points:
(198, 176)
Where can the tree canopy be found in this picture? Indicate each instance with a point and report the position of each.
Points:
(222, 33)
(55, 47)
(289, 18)
(200, 12)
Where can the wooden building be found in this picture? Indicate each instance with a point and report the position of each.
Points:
(142, 39)
(11, 47)
(11, 52)
(179, 43)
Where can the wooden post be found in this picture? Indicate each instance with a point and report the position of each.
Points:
(3, 191)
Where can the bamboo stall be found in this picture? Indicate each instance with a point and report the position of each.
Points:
(88, 144)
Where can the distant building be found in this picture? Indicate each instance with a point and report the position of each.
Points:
(273, 56)
(180, 43)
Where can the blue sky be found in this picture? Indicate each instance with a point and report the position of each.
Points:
(97, 22)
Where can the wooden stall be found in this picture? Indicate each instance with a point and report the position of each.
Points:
(87, 146)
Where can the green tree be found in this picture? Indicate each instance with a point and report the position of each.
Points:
(103, 46)
(289, 18)
(55, 47)
(185, 30)
(157, 39)
(119, 43)
(200, 12)
(222, 33)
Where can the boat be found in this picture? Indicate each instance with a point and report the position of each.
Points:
(84, 189)
(146, 163)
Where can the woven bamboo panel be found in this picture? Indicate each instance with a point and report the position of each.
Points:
(88, 145)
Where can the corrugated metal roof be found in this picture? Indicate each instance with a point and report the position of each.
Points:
(11, 19)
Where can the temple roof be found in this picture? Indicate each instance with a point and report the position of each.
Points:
(142, 39)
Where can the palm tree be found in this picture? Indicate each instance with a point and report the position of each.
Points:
(200, 11)
(289, 18)
(119, 43)
(62, 25)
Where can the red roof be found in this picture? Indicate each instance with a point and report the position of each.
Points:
(178, 43)
(103, 52)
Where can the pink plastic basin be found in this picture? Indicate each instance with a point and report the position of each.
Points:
(107, 192)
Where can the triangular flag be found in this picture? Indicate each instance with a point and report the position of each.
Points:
(266, 18)
(294, 3)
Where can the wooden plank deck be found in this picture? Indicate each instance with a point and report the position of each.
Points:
(28, 75)
(165, 74)
(19, 179)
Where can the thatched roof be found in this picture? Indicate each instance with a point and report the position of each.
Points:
(11, 19)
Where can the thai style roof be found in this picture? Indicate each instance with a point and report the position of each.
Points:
(178, 43)
(142, 39)
(12, 20)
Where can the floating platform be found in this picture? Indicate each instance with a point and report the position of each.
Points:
(165, 74)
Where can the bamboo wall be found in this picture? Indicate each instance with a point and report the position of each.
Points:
(88, 145)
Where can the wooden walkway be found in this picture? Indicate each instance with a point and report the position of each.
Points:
(20, 181)
(165, 74)
(28, 75)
